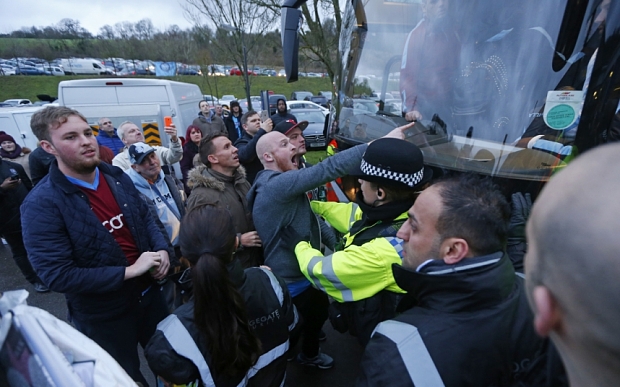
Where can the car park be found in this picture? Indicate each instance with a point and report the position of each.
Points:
(300, 95)
(296, 105)
(314, 133)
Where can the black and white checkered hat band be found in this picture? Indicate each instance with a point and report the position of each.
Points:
(409, 179)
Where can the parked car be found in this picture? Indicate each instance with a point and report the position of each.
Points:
(226, 100)
(319, 100)
(237, 71)
(282, 73)
(295, 105)
(189, 71)
(269, 72)
(314, 135)
(28, 70)
(326, 94)
(18, 102)
(211, 99)
(300, 95)
(54, 70)
(7, 70)
(366, 104)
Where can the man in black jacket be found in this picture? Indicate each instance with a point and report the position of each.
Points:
(13, 190)
(246, 145)
(282, 114)
(471, 324)
(233, 122)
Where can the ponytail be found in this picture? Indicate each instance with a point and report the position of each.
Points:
(207, 240)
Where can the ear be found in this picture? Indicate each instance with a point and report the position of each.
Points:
(212, 159)
(48, 147)
(547, 313)
(380, 193)
(453, 250)
(134, 167)
(268, 157)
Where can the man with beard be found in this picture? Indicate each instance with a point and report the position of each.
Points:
(429, 63)
(358, 276)
(90, 236)
(468, 322)
(233, 122)
(278, 200)
(282, 114)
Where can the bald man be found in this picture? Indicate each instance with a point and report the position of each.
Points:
(278, 200)
(572, 266)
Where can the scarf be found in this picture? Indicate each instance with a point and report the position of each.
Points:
(12, 155)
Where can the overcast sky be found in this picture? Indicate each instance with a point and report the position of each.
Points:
(92, 14)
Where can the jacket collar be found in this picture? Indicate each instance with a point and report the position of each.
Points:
(472, 284)
(59, 178)
(201, 176)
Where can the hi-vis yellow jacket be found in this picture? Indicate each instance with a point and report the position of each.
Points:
(357, 272)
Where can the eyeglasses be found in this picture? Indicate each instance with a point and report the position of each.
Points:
(106, 123)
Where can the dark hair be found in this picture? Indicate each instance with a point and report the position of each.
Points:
(207, 240)
(396, 194)
(51, 117)
(246, 116)
(201, 101)
(473, 209)
(207, 147)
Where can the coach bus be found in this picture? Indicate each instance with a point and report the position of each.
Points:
(506, 88)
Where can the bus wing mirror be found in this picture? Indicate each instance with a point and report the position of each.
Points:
(290, 42)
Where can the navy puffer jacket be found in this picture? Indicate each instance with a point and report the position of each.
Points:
(73, 253)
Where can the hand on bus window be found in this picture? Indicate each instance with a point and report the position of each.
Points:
(399, 132)
(413, 116)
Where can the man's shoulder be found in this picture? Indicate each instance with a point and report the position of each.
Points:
(200, 177)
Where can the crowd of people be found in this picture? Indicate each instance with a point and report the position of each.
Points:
(220, 275)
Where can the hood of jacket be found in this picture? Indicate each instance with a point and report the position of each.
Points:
(141, 183)
(206, 119)
(201, 176)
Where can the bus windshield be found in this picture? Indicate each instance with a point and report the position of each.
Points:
(484, 79)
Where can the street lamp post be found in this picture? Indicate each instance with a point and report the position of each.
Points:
(228, 27)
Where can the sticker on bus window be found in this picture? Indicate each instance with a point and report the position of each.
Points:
(562, 108)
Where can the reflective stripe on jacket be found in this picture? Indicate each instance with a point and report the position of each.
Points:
(356, 272)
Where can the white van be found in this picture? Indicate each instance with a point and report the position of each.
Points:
(145, 102)
(78, 66)
(15, 121)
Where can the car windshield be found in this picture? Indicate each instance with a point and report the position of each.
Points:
(483, 78)
(312, 117)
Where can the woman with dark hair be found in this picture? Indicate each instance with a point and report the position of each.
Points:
(235, 329)
(193, 135)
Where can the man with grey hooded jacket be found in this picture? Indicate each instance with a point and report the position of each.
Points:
(278, 200)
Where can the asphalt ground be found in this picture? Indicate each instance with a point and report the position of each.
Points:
(342, 347)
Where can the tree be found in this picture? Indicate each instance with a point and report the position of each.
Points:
(320, 32)
(237, 23)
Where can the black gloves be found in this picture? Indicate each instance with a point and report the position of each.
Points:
(289, 238)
